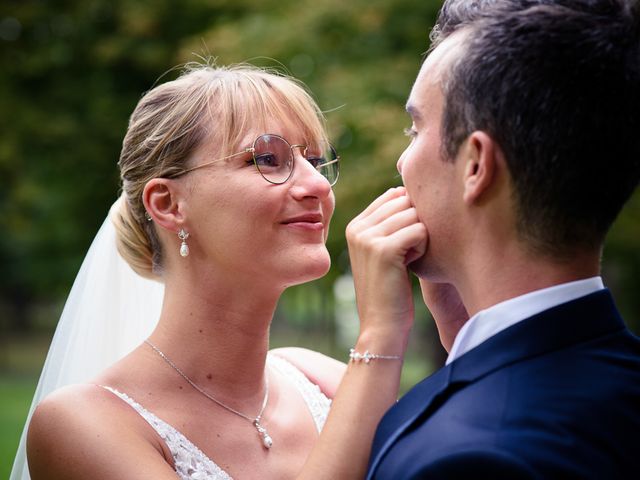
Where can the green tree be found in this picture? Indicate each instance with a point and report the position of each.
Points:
(72, 72)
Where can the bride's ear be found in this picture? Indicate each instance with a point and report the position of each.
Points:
(163, 203)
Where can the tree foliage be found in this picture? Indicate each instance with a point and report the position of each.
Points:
(72, 72)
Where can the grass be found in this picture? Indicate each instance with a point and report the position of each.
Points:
(15, 398)
(20, 361)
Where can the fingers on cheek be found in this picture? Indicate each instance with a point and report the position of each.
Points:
(419, 233)
(388, 210)
(409, 238)
(410, 216)
(362, 221)
(396, 222)
(362, 232)
(410, 235)
(381, 200)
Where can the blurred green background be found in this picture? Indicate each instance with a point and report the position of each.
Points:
(72, 71)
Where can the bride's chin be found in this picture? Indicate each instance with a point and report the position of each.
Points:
(315, 268)
(320, 267)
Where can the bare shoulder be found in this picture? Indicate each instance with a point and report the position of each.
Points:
(322, 370)
(85, 431)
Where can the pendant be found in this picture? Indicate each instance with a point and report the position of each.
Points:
(267, 442)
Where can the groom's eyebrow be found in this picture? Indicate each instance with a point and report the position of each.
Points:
(412, 111)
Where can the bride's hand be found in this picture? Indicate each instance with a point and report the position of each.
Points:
(382, 241)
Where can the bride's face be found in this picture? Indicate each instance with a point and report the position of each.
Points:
(243, 227)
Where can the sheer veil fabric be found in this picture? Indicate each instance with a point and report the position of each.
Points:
(109, 311)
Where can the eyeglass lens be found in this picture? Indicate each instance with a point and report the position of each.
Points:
(273, 156)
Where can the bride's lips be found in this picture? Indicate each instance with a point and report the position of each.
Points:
(308, 221)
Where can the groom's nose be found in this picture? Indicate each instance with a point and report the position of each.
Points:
(400, 163)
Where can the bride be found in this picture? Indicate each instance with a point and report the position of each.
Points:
(226, 178)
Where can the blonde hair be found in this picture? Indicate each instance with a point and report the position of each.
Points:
(172, 120)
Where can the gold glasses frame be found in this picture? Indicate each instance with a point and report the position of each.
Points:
(252, 151)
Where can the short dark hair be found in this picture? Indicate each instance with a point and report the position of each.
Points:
(557, 85)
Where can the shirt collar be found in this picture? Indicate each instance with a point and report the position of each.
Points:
(492, 320)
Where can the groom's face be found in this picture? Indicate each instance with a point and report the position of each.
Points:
(431, 180)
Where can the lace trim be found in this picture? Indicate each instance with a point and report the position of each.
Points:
(190, 462)
(317, 403)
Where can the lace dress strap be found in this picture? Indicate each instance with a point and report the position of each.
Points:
(190, 462)
(316, 401)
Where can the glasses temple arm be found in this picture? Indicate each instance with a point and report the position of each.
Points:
(206, 164)
(336, 160)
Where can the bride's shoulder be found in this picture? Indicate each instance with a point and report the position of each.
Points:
(72, 403)
(77, 403)
(74, 412)
(78, 425)
(324, 371)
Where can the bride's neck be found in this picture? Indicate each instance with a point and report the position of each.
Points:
(217, 334)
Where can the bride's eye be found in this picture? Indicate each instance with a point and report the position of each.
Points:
(267, 160)
(316, 161)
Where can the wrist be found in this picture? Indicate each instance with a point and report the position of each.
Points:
(386, 322)
(367, 356)
(388, 342)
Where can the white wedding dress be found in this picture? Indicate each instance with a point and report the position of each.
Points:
(190, 462)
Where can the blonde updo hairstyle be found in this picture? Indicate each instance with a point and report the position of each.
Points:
(218, 104)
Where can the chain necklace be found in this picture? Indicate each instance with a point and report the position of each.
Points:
(267, 442)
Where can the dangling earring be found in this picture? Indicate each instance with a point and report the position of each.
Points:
(184, 248)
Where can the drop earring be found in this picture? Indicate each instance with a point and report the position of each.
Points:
(184, 248)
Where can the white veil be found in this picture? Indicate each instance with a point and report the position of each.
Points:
(109, 311)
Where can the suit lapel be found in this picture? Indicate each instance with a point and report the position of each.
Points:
(559, 327)
(404, 413)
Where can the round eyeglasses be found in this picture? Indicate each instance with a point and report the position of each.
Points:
(273, 157)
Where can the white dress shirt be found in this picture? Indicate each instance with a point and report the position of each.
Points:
(486, 323)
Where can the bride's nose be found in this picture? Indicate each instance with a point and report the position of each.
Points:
(307, 181)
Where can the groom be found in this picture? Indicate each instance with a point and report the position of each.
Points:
(526, 145)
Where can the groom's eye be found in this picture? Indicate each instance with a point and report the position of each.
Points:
(410, 132)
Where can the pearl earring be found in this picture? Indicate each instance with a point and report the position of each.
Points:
(184, 248)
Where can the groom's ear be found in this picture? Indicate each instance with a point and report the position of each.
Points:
(163, 201)
(482, 159)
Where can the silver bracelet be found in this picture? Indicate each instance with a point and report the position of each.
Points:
(366, 357)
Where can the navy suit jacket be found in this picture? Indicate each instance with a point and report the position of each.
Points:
(554, 396)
